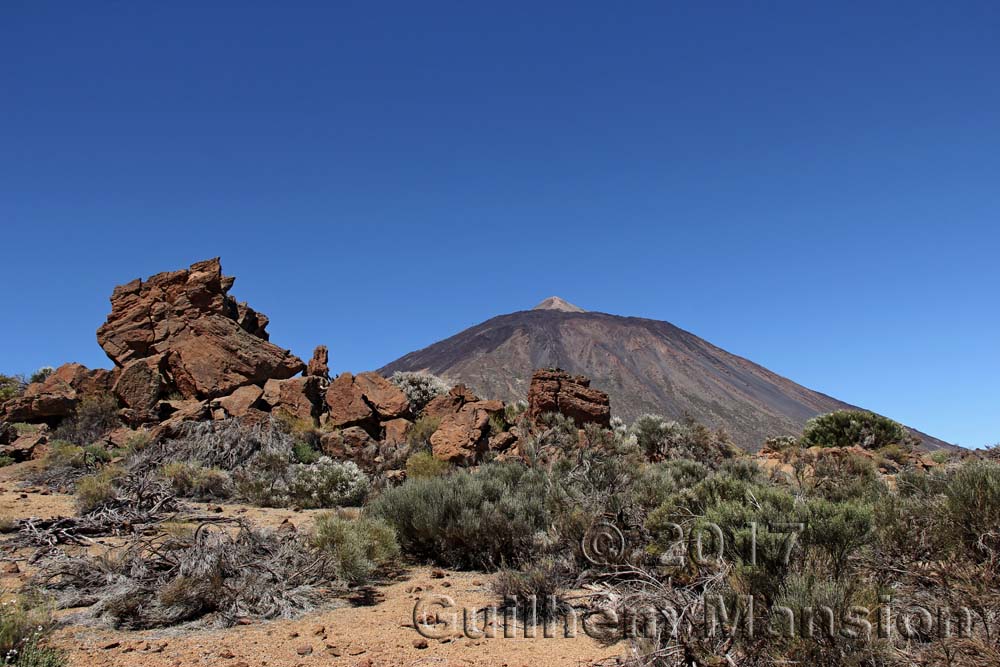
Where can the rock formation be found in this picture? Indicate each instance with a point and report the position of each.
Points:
(184, 325)
(58, 395)
(319, 365)
(462, 437)
(555, 390)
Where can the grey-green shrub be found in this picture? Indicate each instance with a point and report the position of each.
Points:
(420, 388)
(469, 519)
(847, 428)
(357, 547)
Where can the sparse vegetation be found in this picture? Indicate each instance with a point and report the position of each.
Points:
(420, 388)
(423, 465)
(23, 629)
(419, 435)
(357, 547)
(95, 416)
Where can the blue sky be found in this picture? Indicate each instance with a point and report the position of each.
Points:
(814, 188)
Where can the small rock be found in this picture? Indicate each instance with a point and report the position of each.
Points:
(305, 649)
(293, 635)
(334, 651)
(243, 621)
(111, 645)
(319, 630)
(355, 651)
(11, 568)
(226, 654)
(437, 574)
(445, 584)
(420, 642)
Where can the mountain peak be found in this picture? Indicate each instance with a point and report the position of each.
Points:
(558, 303)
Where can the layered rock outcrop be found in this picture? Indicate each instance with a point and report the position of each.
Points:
(555, 390)
(59, 394)
(462, 436)
(203, 343)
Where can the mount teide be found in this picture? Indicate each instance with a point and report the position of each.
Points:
(644, 365)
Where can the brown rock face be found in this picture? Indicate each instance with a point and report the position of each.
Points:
(351, 444)
(346, 402)
(238, 403)
(26, 447)
(319, 365)
(59, 394)
(463, 434)
(301, 397)
(364, 399)
(386, 398)
(212, 344)
(555, 390)
(140, 385)
(395, 431)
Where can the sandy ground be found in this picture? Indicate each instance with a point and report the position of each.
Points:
(374, 635)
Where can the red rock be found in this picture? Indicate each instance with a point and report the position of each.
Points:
(554, 390)
(319, 365)
(350, 444)
(140, 385)
(240, 401)
(301, 397)
(215, 345)
(346, 402)
(461, 438)
(450, 403)
(59, 394)
(395, 430)
(386, 398)
(27, 447)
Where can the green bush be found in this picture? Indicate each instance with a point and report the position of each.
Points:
(41, 374)
(6, 460)
(303, 452)
(485, 518)
(837, 530)
(94, 491)
(423, 465)
(192, 480)
(662, 439)
(972, 502)
(64, 454)
(22, 630)
(358, 547)
(419, 435)
(94, 417)
(11, 386)
(847, 428)
(536, 590)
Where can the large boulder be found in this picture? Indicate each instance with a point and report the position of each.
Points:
(213, 345)
(555, 390)
(364, 400)
(462, 436)
(301, 398)
(59, 394)
(238, 403)
(140, 386)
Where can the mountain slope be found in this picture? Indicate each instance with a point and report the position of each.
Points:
(644, 365)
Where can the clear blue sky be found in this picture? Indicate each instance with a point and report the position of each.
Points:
(817, 189)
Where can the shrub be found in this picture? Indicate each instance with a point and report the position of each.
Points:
(94, 417)
(536, 590)
(896, 453)
(11, 386)
(64, 454)
(41, 374)
(327, 483)
(420, 388)
(191, 480)
(513, 411)
(840, 475)
(972, 501)
(837, 530)
(95, 491)
(22, 628)
(846, 428)
(419, 435)
(6, 460)
(358, 547)
(423, 465)
(303, 452)
(469, 519)
(662, 439)
(657, 482)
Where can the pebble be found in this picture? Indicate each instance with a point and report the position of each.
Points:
(305, 649)
(420, 642)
